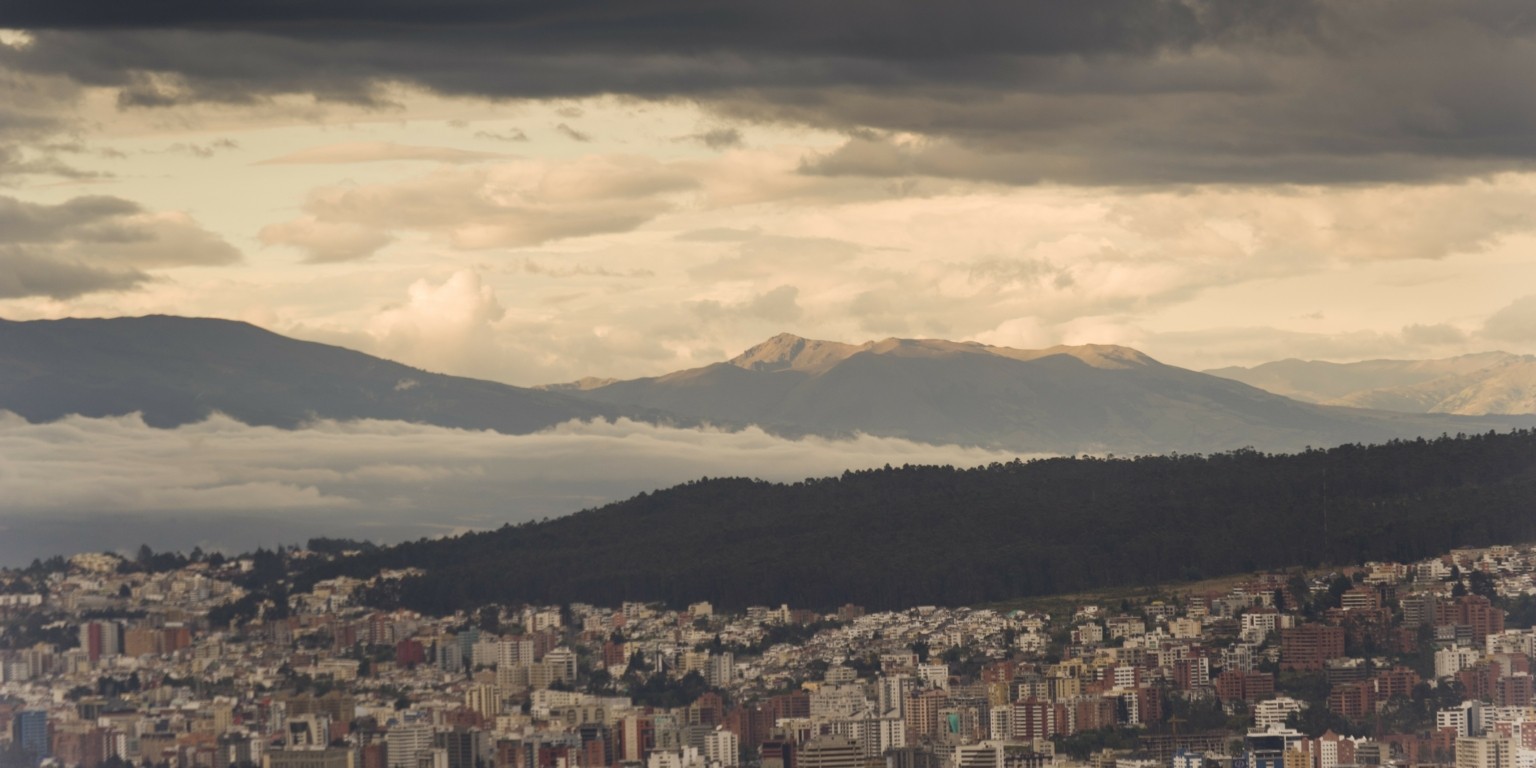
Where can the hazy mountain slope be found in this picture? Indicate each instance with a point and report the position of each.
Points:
(1417, 386)
(1509, 387)
(1058, 399)
(177, 370)
(913, 535)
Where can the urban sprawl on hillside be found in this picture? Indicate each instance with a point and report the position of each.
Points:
(166, 660)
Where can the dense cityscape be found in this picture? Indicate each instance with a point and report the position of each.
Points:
(171, 660)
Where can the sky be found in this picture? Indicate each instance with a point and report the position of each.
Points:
(536, 192)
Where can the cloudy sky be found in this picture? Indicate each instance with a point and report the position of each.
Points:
(538, 191)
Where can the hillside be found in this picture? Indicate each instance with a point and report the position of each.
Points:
(914, 535)
(1061, 399)
(177, 370)
(1468, 385)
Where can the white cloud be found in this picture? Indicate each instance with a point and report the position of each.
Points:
(326, 242)
(507, 205)
(355, 477)
(447, 326)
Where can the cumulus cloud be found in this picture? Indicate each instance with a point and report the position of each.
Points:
(441, 327)
(366, 478)
(96, 243)
(376, 152)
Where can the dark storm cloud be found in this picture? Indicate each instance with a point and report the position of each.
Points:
(1097, 92)
(860, 28)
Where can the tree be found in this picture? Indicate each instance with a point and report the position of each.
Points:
(1298, 590)
(1480, 583)
(637, 664)
(600, 682)
(489, 619)
(920, 647)
(1314, 720)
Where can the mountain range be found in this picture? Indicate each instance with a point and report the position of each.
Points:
(176, 370)
(1059, 399)
(1473, 385)
(1096, 398)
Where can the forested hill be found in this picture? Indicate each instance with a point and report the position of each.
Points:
(938, 535)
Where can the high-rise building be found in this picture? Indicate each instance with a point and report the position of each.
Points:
(1035, 719)
(1306, 647)
(406, 742)
(923, 714)
(510, 653)
(893, 692)
(1484, 752)
(562, 663)
(101, 639)
(1267, 748)
(834, 752)
(309, 758)
(987, 754)
(723, 747)
(721, 670)
(464, 746)
(29, 730)
(1475, 613)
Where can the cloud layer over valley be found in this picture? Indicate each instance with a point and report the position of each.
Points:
(82, 484)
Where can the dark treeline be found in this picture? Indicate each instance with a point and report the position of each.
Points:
(912, 535)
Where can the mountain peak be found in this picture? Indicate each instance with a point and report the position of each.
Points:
(1105, 355)
(787, 351)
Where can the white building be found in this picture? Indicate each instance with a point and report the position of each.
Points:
(1274, 712)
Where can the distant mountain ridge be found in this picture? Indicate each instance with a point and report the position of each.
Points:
(1469, 385)
(790, 352)
(1059, 399)
(176, 370)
